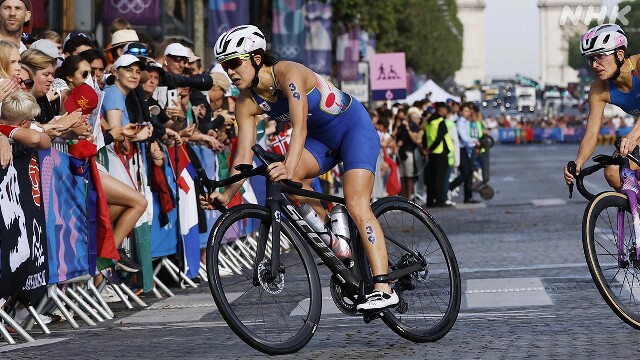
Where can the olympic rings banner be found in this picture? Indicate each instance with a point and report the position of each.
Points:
(139, 12)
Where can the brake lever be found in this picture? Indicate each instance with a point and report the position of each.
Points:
(571, 167)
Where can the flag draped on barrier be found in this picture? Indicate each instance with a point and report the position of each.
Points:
(318, 39)
(23, 248)
(223, 15)
(164, 236)
(65, 210)
(187, 210)
(288, 30)
(209, 161)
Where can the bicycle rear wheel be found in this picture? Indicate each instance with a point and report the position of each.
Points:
(616, 277)
(430, 297)
(277, 315)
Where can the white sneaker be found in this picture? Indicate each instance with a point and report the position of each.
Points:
(22, 314)
(378, 300)
(109, 295)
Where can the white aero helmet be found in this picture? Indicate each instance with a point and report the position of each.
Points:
(238, 41)
(602, 38)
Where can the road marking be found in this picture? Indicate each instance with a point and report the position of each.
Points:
(180, 308)
(504, 292)
(479, 293)
(39, 342)
(463, 206)
(548, 202)
(516, 268)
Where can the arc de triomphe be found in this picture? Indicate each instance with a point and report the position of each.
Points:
(554, 70)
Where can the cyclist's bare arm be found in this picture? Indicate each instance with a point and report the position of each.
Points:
(598, 98)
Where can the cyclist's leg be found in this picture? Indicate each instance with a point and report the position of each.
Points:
(358, 186)
(313, 162)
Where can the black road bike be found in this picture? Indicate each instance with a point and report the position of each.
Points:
(274, 304)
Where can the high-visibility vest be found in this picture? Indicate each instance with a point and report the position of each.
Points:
(452, 155)
(431, 130)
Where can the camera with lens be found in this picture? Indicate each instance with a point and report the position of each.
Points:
(200, 82)
(231, 132)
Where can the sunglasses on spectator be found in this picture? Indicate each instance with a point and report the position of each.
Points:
(179, 59)
(598, 57)
(84, 74)
(138, 52)
(234, 62)
(28, 82)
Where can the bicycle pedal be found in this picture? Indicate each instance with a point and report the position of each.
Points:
(369, 316)
(320, 263)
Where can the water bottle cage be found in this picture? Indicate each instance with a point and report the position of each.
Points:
(382, 279)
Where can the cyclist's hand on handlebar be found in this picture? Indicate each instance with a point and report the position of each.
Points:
(278, 171)
(568, 177)
(626, 146)
(207, 201)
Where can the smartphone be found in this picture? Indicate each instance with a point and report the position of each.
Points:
(172, 97)
(143, 124)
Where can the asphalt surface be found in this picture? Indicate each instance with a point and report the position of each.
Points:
(527, 290)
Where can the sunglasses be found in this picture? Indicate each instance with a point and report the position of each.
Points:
(179, 59)
(234, 62)
(85, 74)
(138, 52)
(598, 57)
(28, 82)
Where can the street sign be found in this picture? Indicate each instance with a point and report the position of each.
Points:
(388, 76)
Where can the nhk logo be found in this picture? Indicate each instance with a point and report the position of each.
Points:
(586, 14)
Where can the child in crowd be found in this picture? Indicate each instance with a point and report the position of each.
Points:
(16, 113)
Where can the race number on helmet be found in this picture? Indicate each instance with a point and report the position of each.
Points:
(239, 40)
(602, 39)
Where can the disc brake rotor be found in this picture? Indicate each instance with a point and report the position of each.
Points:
(272, 287)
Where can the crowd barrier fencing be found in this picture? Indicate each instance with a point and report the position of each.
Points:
(62, 253)
(528, 135)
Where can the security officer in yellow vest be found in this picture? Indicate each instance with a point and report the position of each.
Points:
(439, 147)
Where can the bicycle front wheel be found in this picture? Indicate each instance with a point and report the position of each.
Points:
(430, 297)
(614, 267)
(277, 314)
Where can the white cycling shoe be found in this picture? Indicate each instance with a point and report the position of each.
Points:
(378, 300)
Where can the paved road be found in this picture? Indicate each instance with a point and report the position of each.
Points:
(528, 293)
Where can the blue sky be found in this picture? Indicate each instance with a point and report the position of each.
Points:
(512, 37)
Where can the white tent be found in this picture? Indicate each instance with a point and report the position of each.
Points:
(437, 94)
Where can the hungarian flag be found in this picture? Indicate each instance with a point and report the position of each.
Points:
(185, 174)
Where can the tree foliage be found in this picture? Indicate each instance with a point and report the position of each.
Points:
(428, 31)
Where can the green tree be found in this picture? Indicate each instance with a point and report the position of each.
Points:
(428, 31)
(576, 61)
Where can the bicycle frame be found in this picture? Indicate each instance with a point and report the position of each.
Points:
(278, 204)
(630, 188)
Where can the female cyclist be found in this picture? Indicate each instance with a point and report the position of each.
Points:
(604, 47)
(323, 118)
